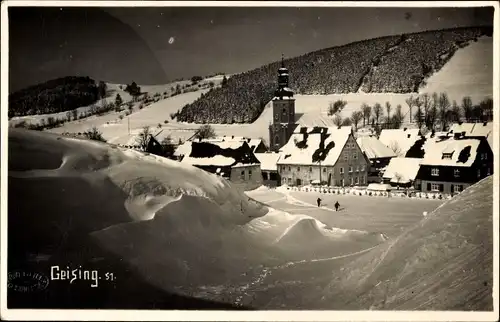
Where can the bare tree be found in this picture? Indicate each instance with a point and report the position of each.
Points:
(367, 111)
(419, 114)
(336, 107)
(377, 112)
(444, 109)
(94, 134)
(143, 138)
(467, 108)
(388, 109)
(337, 120)
(486, 108)
(356, 118)
(205, 132)
(455, 112)
(410, 101)
(397, 118)
(346, 122)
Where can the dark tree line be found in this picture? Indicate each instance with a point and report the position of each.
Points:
(54, 96)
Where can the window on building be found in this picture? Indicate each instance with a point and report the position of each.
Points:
(435, 186)
(478, 173)
(458, 188)
(484, 156)
(355, 155)
(283, 180)
(242, 175)
(346, 156)
(289, 180)
(488, 171)
(456, 173)
(357, 168)
(310, 169)
(447, 155)
(342, 182)
(362, 167)
(350, 169)
(249, 174)
(289, 168)
(363, 180)
(352, 181)
(435, 172)
(324, 169)
(341, 170)
(357, 180)
(298, 168)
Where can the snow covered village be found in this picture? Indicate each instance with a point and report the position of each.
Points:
(353, 172)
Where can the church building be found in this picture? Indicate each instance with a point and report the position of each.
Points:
(283, 104)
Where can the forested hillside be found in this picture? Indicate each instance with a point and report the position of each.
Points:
(397, 64)
(57, 95)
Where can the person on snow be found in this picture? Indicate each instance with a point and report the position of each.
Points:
(319, 202)
(337, 205)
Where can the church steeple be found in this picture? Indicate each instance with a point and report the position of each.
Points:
(283, 89)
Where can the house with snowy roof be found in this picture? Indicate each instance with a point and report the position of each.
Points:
(233, 160)
(269, 167)
(450, 165)
(402, 172)
(378, 153)
(399, 140)
(327, 155)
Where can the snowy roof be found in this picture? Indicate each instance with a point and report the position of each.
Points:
(473, 129)
(268, 161)
(253, 143)
(334, 137)
(407, 168)
(373, 148)
(403, 139)
(220, 153)
(463, 153)
(215, 160)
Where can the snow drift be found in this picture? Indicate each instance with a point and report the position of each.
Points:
(181, 229)
(445, 262)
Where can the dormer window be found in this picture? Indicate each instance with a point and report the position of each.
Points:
(409, 135)
(447, 155)
(484, 156)
(456, 173)
(435, 172)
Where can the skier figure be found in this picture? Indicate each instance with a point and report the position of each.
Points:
(337, 205)
(319, 202)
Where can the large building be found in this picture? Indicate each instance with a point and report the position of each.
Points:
(323, 155)
(283, 105)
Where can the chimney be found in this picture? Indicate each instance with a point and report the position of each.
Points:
(404, 129)
(232, 137)
(248, 140)
(199, 139)
(485, 123)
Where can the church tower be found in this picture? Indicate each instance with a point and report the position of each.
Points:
(283, 124)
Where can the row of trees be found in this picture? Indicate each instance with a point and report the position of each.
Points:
(367, 114)
(434, 111)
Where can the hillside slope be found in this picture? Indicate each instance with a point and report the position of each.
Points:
(395, 64)
(445, 262)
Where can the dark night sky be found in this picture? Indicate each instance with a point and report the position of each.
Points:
(155, 45)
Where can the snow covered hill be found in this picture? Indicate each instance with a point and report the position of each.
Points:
(445, 262)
